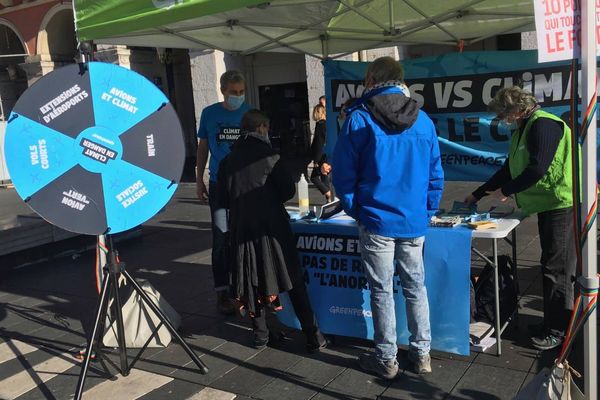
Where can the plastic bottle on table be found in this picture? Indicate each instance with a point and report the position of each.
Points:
(303, 202)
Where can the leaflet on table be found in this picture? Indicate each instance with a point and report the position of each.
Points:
(331, 210)
(328, 212)
(448, 221)
(462, 208)
(467, 210)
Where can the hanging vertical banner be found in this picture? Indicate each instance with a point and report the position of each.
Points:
(455, 89)
(558, 29)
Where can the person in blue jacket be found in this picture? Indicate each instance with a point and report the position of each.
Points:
(388, 176)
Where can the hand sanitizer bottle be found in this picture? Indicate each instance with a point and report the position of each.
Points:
(303, 203)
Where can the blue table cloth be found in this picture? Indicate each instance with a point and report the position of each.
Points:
(330, 255)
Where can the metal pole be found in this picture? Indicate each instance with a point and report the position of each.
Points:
(114, 268)
(391, 10)
(588, 72)
(497, 298)
(324, 46)
(96, 330)
(102, 260)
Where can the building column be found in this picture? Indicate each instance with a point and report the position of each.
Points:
(33, 68)
(113, 54)
(205, 80)
(315, 82)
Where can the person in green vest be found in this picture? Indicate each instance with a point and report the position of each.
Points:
(539, 174)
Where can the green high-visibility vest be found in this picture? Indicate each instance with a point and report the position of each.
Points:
(555, 189)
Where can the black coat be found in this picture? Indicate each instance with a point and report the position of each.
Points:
(253, 185)
(317, 148)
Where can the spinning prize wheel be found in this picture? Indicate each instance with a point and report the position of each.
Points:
(94, 148)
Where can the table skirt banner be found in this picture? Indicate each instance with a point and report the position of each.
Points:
(330, 255)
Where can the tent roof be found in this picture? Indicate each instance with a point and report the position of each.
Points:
(307, 26)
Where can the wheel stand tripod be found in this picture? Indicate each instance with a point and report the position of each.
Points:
(110, 289)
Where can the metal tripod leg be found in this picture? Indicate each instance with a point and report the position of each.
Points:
(110, 287)
(100, 316)
(163, 318)
(114, 276)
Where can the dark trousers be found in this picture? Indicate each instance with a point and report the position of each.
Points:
(558, 266)
(322, 182)
(302, 307)
(219, 227)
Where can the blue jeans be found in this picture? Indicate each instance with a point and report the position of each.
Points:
(381, 257)
(219, 228)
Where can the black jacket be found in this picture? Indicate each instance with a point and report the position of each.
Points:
(317, 148)
(254, 185)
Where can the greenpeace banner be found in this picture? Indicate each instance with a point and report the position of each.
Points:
(340, 296)
(454, 89)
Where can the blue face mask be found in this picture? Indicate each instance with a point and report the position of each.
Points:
(235, 102)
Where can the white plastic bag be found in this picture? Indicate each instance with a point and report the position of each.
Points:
(555, 384)
(140, 321)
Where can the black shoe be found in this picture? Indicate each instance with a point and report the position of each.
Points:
(225, 304)
(315, 340)
(318, 346)
(260, 341)
(547, 342)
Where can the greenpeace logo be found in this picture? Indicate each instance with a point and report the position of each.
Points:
(355, 312)
(166, 3)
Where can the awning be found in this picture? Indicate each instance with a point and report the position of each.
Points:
(315, 27)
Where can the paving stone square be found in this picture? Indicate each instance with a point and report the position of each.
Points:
(48, 301)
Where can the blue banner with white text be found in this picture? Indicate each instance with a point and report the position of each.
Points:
(340, 296)
(454, 89)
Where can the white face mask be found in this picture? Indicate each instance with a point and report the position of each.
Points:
(511, 126)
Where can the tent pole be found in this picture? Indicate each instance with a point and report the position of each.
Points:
(391, 8)
(589, 277)
(324, 46)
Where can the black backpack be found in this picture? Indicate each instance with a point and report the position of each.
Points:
(484, 292)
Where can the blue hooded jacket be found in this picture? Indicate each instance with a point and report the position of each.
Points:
(386, 165)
